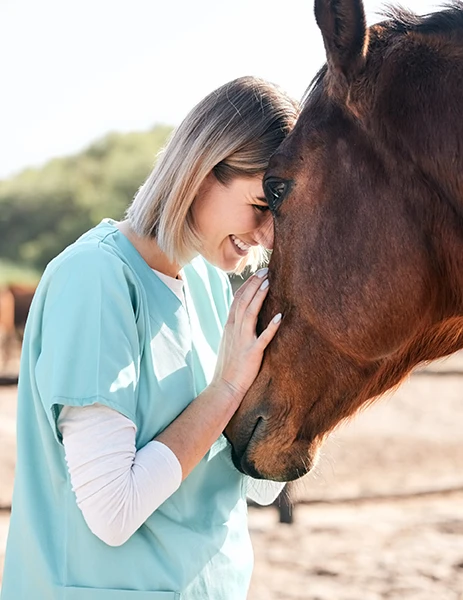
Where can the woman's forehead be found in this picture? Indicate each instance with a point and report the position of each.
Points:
(250, 186)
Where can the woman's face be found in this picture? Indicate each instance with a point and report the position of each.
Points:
(232, 218)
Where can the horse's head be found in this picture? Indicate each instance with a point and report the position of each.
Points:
(367, 194)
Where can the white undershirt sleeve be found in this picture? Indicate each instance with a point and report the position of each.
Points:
(262, 491)
(117, 487)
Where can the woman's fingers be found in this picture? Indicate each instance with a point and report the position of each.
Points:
(251, 313)
(267, 335)
(241, 352)
(244, 296)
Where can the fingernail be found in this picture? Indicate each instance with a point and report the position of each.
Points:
(277, 319)
(261, 273)
(264, 286)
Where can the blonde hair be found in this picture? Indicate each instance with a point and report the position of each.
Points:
(232, 132)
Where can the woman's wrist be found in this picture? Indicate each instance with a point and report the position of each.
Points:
(226, 391)
(194, 431)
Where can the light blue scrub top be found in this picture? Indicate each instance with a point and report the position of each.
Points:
(104, 328)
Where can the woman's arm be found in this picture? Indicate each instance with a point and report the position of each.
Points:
(117, 487)
(195, 430)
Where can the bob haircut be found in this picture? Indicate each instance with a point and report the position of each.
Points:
(232, 132)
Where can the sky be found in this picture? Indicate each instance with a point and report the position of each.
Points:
(71, 72)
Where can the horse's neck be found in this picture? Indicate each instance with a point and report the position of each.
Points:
(452, 249)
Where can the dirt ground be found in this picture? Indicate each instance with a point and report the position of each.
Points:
(382, 515)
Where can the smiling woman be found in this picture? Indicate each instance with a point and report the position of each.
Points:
(232, 220)
(222, 147)
(135, 358)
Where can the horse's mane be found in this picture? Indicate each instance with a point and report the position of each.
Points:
(316, 81)
(401, 20)
(446, 20)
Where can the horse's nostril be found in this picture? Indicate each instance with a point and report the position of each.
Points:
(257, 426)
(240, 450)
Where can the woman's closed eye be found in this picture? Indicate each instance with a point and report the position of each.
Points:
(261, 207)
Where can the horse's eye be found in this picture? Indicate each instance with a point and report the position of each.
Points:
(275, 190)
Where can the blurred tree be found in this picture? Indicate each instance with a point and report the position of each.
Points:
(44, 210)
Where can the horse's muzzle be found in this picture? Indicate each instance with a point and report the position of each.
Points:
(241, 449)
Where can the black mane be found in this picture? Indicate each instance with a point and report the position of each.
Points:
(446, 20)
(316, 82)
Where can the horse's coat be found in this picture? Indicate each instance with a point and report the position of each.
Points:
(15, 301)
(368, 260)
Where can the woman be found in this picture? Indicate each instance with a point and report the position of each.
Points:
(124, 484)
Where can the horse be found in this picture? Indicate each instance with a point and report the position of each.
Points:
(6, 323)
(367, 198)
(15, 301)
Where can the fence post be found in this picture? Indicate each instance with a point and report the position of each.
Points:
(285, 505)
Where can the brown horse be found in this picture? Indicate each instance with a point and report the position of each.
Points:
(15, 301)
(367, 195)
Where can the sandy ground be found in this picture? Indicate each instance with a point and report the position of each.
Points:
(354, 538)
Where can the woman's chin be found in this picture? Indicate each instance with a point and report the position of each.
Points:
(226, 261)
(232, 264)
(227, 265)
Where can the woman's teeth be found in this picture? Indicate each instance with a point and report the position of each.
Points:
(241, 245)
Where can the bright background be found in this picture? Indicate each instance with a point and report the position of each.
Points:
(74, 71)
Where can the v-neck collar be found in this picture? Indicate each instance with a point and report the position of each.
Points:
(127, 247)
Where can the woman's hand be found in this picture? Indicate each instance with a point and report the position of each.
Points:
(241, 351)
(194, 431)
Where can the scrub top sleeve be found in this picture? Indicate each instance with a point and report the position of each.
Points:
(90, 346)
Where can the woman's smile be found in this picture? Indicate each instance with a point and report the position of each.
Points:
(239, 246)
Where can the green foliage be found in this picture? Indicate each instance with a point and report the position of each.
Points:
(44, 210)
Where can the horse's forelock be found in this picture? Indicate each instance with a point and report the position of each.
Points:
(314, 84)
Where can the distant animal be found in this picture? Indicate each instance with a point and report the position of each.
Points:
(15, 301)
(367, 267)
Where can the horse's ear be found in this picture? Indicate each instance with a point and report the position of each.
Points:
(343, 25)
